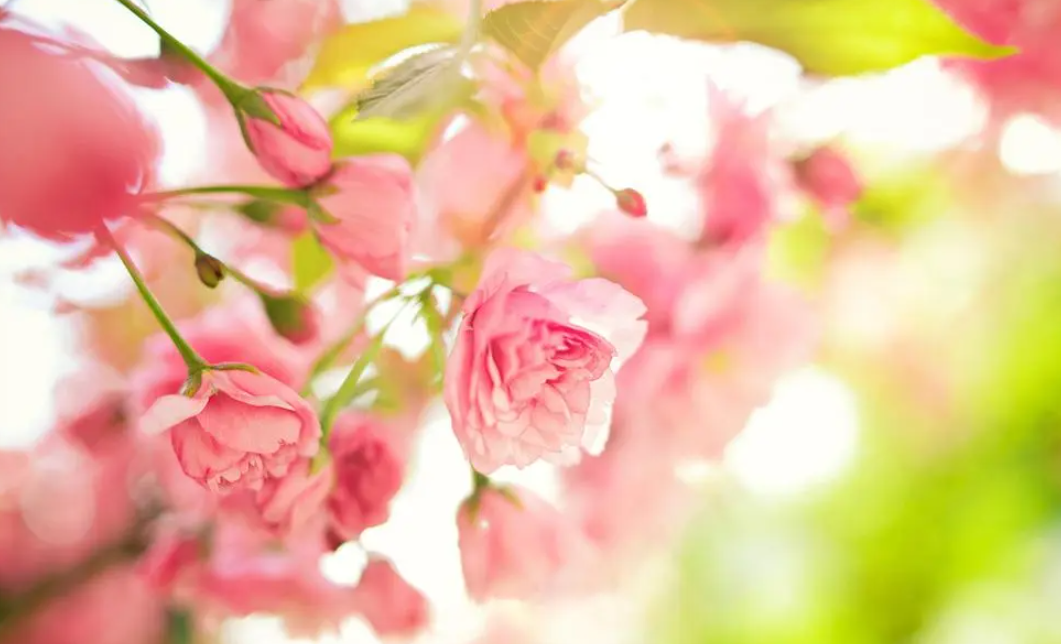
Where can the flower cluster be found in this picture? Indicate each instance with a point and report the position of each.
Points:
(257, 415)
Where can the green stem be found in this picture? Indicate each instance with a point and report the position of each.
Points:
(238, 275)
(479, 481)
(192, 359)
(271, 193)
(232, 90)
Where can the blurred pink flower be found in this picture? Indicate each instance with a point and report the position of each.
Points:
(368, 471)
(475, 185)
(390, 604)
(246, 574)
(116, 606)
(743, 178)
(828, 177)
(60, 503)
(80, 153)
(374, 200)
(298, 151)
(264, 36)
(1028, 79)
(514, 545)
(530, 375)
(238, 430)
(287, 504)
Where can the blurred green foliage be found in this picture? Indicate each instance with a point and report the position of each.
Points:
(946, 528)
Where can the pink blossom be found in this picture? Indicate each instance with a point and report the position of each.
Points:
(80, 153)
(246, 574)
(514, 545)
(289, 503)
(117, 607)
(237, 430)
(475, 185)
(60, 503)
(531, 373)
(298, 151)
(236, 332)
(827, 176)
(264, 36)
(1027, 79)
(374, 202)
(390, 604)
(368, 470)
(741, 180)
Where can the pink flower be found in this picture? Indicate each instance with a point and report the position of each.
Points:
(233, 333)
(514, 545)
(238, 429)
(298, 152)
(116, 606)
(368, 472)
(826, 176)
(285, 505)
(742, 179)
(374, 202)
(390, 604)
(264, 36)
(531, 373)
(246, 574)
(80, 153)
(474, 183)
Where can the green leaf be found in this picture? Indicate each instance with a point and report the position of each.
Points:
(310, 262)
(830, 37)
(535, 29)
(421, 83)
(347, 56)
(351, 387)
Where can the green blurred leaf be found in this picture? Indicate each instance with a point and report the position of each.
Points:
(347, 56)
(535, 29)
(426, 82)
(799, 251)
(831, 37)
(310, 262)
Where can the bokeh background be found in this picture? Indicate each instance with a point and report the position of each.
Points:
(903, 487)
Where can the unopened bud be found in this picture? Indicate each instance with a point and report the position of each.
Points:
(565, 160)
(631, 202)
(292, 316)
(210, 270)
(540, 184)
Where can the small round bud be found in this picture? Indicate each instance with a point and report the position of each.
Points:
(210, 270)
(540, 184)
(292, 317)
(631, 202)
(565, 160)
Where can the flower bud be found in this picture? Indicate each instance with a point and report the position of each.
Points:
(296, 145)
(210, 269)
(631, 202)
(292, 316)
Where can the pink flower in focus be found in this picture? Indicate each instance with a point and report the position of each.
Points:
(828, 177)
(368, 471)
(75, 151)
(374, 202)
(530, 375)
(233, 333)
(390, 604)
(298, 152)
(238, 430)
(514, 545)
